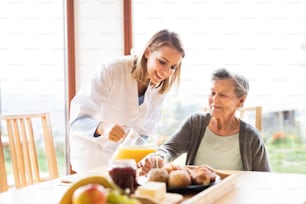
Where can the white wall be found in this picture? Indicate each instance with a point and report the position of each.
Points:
(98, 35)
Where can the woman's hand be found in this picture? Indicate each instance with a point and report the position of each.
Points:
(112, 132)
(149, 162)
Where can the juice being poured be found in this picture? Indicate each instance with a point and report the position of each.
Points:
(134, 152)
(134, 147)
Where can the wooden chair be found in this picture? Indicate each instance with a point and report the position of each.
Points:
(24, 135)
(257, 116)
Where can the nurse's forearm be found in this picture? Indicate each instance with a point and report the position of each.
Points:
(100, 129)
(86, 125)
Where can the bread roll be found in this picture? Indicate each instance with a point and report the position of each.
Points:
(202, 175)
(172, 167)
(158, 174)
(179, 178)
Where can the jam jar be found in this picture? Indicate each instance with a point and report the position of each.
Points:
(123, 174)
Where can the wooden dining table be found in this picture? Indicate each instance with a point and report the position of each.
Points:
(236, 187)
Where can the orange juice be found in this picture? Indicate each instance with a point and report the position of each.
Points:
(134, 152)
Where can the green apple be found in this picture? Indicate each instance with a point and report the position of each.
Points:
(114, 197)
(89, 194)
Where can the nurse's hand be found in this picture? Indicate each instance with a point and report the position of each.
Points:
(112, 132)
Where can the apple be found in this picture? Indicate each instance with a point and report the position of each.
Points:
(89, 194)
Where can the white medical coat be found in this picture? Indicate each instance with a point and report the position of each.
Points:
(111, 96)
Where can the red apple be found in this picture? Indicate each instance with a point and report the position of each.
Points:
(89, 194)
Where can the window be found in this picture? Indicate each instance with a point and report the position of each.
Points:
(32, 65)
(263, 40)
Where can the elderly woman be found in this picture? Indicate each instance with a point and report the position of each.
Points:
(219, 139)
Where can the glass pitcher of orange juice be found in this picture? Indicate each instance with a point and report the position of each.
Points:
(134, 147)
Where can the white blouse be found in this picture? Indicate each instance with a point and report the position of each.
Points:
(111, 96)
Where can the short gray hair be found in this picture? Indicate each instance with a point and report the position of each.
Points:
(241, 84)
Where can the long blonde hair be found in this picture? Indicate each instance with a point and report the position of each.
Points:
(161, 38)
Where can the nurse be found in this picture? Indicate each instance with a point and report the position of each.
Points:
(125, 92)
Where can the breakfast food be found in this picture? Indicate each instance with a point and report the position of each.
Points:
(183, 176)
(89, 193)
(125, 178)
(115, 197)
(171, 167)
(67, 197)
(123, 174)
(179, 178)
(153, 190)
(158, 174)
(114, 194)
(202, 175)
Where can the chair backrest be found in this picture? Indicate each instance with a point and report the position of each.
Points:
(24, 135)
(257, 114)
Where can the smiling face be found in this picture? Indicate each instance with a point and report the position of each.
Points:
(222, 100)
(162, 63)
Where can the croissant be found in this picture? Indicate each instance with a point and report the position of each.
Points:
(179, 178)
(172, 167)
(158, 174)
(202, 175)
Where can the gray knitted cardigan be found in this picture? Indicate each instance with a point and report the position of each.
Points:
(188, 137)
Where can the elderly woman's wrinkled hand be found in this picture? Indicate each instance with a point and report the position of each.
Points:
(149, 162)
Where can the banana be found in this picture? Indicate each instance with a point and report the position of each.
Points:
(67, 197)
